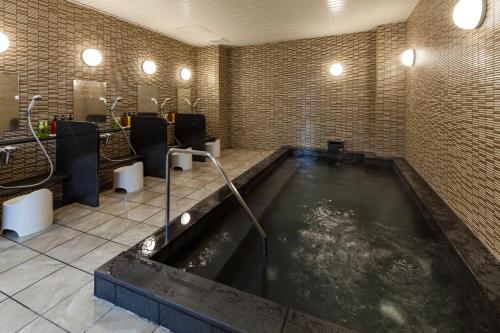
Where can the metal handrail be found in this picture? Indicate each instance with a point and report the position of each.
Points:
(228, 183)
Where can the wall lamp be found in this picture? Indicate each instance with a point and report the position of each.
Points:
(469, 14)
(149, 67)
(336, 69)
(92, 57)
(408, 57)
(4, 42)
(185, 74)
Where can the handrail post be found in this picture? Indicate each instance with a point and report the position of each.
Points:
(228, 182)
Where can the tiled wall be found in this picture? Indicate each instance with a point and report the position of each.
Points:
(213, 86)
(283, 93)
(453, 115)
(207, 87)
(388, 138)
(47, 38)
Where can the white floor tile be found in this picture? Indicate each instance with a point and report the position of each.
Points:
(41, 325)
(118, 321)
(27, 273)
(14, 316)
(75, 248)
(80, 311)
(51, 239)
(14, 256)
(51, 290)
(99, 256)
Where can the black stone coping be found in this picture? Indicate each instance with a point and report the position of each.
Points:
(57, 178)
(481, 263)
(185, 302)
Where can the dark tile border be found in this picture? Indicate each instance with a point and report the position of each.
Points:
(185, 302)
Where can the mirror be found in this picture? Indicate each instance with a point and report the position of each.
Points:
(182, 95)
(90, 101)
(9, 103)
(147, 100)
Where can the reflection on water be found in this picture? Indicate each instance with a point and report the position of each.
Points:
(347, 245)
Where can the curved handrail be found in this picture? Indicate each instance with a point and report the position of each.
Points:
(230, 184)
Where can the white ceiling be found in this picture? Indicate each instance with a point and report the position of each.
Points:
(248, 22)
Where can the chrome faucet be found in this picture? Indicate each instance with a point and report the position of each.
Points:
(6, 154)
(192, 105)
(162, 106)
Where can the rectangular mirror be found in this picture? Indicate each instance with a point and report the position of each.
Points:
(90, 101)
(147, 100)
(182, 105)
(9, 103)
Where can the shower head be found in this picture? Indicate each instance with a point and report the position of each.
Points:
(154, 100)
(35, 99)
(115, 104)
(164, 102)
(187, 101)
(102, 99)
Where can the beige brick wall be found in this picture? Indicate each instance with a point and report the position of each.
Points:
(283, 93)
(47, 38)
(453, 116)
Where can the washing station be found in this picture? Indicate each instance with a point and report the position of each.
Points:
(27, 206)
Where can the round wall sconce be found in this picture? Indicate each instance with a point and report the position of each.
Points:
(185, 74)
(336, 69)
(149, 67)
(4, 42)
(469, 14)
(408, 57)
(91, 57)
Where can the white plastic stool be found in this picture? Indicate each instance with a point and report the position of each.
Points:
(182, 161)
(129, 178)
(28, 213)
(213, 148)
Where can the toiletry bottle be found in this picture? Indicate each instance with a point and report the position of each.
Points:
(129, 119)
(124, 120)
(53, 125)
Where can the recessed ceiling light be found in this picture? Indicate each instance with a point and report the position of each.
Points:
(149, 67)
(336, 69)
(408, 57)
(4, 42)
(185, 74)
(91, 57)
(469, 14)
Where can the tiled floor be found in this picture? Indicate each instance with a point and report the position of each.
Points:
(46, 282)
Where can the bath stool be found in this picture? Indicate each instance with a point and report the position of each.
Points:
(182, 161)
(213, 148)
(28, 213)
(129, 178)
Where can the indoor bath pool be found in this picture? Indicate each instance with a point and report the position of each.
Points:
(346, 244)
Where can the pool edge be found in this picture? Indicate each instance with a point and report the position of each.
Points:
(132, 291)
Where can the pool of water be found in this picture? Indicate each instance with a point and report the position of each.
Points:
(346, 244)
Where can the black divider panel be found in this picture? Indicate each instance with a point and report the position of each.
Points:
(149, 139)
(77, 154)
(190, 131)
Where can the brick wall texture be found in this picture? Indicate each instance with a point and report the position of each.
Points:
(453, 113)
(442, 115)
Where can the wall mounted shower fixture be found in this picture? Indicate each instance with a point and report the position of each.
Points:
(186, 74)
(336, 69)
(408, 57)
(4, 42)
(469, 14)
(91, 57)
(149, 67)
